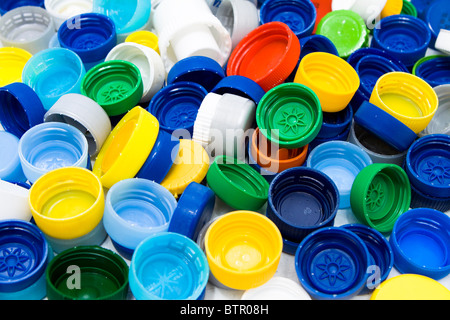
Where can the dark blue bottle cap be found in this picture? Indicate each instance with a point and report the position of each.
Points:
(299, 15)
(302, 200)
(421, 200)
(161, 158)
(8, 5)
(90, 35)
(435, 71)
(420, 241)
(316, 43)
(422, 6)
(193, 211)
(23, 255)
(331, 263)
(240, 86)
(176, 105)
(427, 165)
(318, 141)
(125, 252)
(20, 108)
(199, 69)
(437, 16)
(335, 123)
(403, 36)
(384, 126)
(380, 250)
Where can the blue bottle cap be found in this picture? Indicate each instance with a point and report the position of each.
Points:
(379, 249)
(316, 43)
(90, 35)
(299, 15)
(20, 108)
(7, 5)
(427, 164)
(10, 168)
(421, 200)
(193, 211)
(422, 6)
(420, 241)
(335, 123)
(404, 37)
(23, 255)
(161, 158)
(176, 105)
(302, 200)
(382, 124)
(168, 266)
(435, 70)
(331, 263)
(199, 69)
(318, 141)
(437, 16)
(341, 161)
(240, 86)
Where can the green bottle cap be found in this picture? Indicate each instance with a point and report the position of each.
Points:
(346, 29)
(409, 8)
(380, 193)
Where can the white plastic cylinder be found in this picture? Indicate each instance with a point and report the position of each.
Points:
(14, 200)
(443, 41)
(368, 10)
(61, 10)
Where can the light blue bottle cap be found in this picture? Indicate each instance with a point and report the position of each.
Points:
(10, 168)
(135, 209)
(341, 161)
(51, 145)
(168, 266)
(421, 243)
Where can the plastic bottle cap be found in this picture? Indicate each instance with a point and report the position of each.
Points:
(404, 37)
(24, 258)
(334, 124)
(409, 8)
(272, 157)
(346, 29)
(382, 124)
(247, 255)
(8, 5)
(238, 17)
(427, 165)
(420, 241)
(302, 200)
(147, 61)
(190, 165)
(341, 161)
(267, 55)
(89, 35)
(323, 7)
(52, 73)
(116, 85)
(12, 62)
(135, 209)
(198, 69)
(379, 195)
(330, 77)
(237, 183)
(289, 115)
(392, 7)
(67, 203)
(316, 43)
(437, 18)
(433, 69)
(102, 272)
(240, 86)
(441, 119)
(176, 105)
(380, 251)
(28, 27)
(10, 168)
(368, 10)
(161, 158)
(61, 10)
(299, 15)
(277, 288)
(193, 211)
(168, 266)
(127, 147)
(442, 41)
(15, 202)
(52, 145)
(343, 136)
(20, 108)
(331, 263)
(411, 287)
(145, 38)
(187, 29)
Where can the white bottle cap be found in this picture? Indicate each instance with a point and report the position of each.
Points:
(277, 288)
(61, 10)
(443, 41)
(188, 28)
(14, 200)
(147, 60)
(368, 10)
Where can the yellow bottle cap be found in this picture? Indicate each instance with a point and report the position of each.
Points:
(67, 203)
(410, 287)
(127, 147)
(243, 249)
(392, 7)
(12, 62)
(145, 38)
(190, 165)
